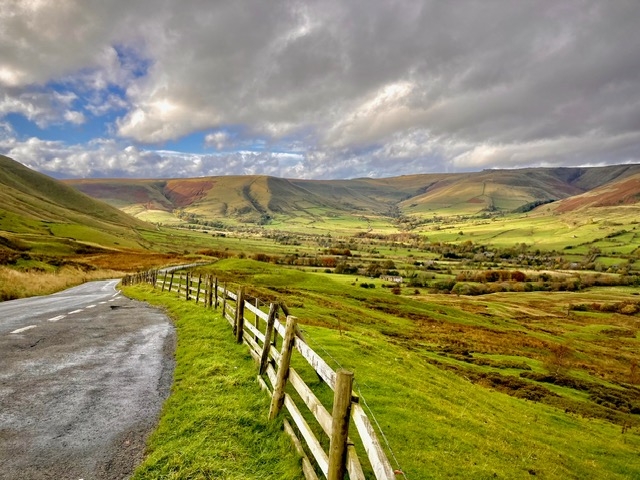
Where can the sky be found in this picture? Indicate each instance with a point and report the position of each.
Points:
(317, 89)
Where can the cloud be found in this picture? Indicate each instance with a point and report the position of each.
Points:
(361, 74)
(43, 108)
(163, 119)
(77, 118)
(218, 140)
(105, 158)
(102, 103)
(367, 87)
(405, 154)
(41, 40)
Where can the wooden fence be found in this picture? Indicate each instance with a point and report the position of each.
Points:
(260, 327)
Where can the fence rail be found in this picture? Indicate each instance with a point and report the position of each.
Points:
(262, 331)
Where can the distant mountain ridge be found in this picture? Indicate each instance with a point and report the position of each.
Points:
(254, 198)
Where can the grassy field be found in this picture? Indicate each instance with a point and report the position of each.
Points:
(214, 425)
(538, 231)
(475, 387)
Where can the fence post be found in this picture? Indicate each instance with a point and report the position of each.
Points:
(198, 290)
(210, 296)
(179, 283)
(188, 287)
(164, 281)
(215, 292)
(224, 299)
(340, 424)
(283, 369)
(239, 324)
(171, 282)
(271, 319)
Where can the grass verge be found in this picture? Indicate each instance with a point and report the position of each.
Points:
(214, 425)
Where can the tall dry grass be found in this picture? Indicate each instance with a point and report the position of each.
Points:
(133, 261)
(20, 284)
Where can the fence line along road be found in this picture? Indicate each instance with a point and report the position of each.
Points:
(262, 329)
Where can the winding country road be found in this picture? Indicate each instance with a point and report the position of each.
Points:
(83, 374)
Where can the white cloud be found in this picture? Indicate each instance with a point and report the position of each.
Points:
(161, 119)
(43, 108)
(218, 140)
(100, 104)
(77, 118)
(109, 158)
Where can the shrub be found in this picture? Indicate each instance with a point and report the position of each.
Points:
(629, 309)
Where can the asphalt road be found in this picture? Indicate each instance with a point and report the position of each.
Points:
(83, 374)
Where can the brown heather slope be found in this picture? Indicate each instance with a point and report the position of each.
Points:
(183, 193)
(621, 192)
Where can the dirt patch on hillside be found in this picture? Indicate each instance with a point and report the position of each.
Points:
(183, 193)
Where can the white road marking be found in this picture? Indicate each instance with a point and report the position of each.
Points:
(20, 330)
(75, 311)
(55, 319)
(117, 293)
(90, 306)
(102, 303)
(112, 300)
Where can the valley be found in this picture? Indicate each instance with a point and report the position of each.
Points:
(492, 318)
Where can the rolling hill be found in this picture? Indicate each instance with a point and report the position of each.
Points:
(44, 214)
(279, 201)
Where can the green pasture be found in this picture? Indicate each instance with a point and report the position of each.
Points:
(543, 232)
(322, 221)
(10, 222)
(154, 216)
(406, 354)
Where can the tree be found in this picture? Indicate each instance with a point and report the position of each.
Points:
(373, 270)
(560, 358)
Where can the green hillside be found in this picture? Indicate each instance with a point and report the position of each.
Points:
(48, 216)
(348, 206)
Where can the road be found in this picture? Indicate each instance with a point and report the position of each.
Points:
(83, 374)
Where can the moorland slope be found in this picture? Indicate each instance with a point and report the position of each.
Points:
(260, 199)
